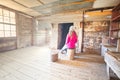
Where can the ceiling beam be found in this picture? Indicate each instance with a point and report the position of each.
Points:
(20, 4)
(16, 11)
(41, 2)
(97, 9)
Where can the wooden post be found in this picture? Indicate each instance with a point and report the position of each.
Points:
(82, 33)
(108, 72)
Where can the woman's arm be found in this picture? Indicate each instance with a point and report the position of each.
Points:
(67, 39)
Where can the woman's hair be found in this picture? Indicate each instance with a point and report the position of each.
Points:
(71, 30)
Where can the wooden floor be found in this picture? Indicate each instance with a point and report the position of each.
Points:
(33, 63)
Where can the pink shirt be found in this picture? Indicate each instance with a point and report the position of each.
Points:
(71, 40)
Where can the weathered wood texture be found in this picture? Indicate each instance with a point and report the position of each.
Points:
(42, 33)
(7, 43)
(112, 60)
(33, 63)
(24, 26)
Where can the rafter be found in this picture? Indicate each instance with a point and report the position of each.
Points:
(20, 4)
(41, 2)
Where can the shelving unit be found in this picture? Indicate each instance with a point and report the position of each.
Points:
(116, 13)
(115, 24)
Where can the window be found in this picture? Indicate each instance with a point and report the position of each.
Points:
(7, 23)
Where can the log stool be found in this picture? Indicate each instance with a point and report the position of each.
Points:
(70, 53)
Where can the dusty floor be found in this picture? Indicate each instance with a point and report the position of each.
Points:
(34, 63)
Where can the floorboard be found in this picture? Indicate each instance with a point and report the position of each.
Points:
(34, 63)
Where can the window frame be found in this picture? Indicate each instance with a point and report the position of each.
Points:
(10, 23)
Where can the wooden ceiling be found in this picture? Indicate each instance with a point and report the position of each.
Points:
(61, 9)
(64, 6)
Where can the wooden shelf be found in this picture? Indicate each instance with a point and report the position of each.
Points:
(115, 26)
(117, 7)
(116, 13)
(116, 18)
(115, 29)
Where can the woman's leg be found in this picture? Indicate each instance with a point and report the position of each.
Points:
(64, 49)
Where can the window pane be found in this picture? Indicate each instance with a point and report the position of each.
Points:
(6, 19)
(13, 33)
(7, 33)
(7, 27)
(13, 27)
(1, 18)
(12, 14)
(5, 13)
(1, 27)
(1, 33)
(0, 11)
(12, 20)
(7, 23)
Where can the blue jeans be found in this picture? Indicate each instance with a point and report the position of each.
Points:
(64, 48)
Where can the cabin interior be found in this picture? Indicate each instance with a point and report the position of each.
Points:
(32, 33)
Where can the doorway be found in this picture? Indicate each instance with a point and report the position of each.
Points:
(63, 29)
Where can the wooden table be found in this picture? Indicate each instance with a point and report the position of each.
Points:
(112, 60)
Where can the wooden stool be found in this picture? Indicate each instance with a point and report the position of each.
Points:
(70, 53)
(54, 56)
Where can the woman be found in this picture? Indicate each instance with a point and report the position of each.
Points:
(71, 40)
